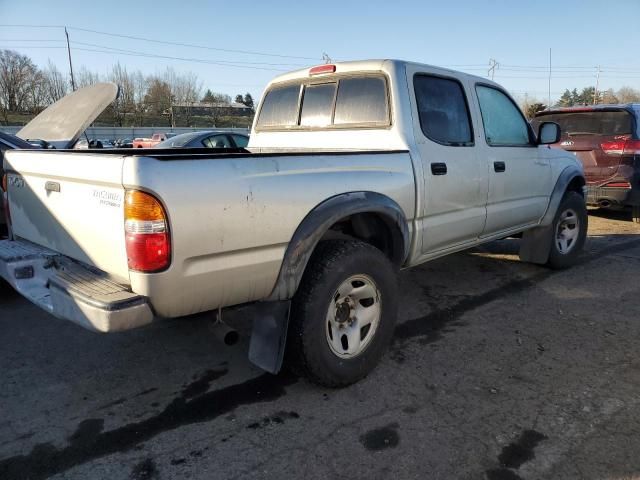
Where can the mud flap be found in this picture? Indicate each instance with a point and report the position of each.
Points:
(269, 335)
(536, 245)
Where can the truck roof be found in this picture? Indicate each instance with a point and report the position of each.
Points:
(384, 65)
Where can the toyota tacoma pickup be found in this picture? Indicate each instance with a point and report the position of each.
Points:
(354, 171)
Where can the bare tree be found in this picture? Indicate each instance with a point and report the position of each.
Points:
(608, 96)
(140, 83)
(158, 98)
(36, 99)
(186, 91)
(628, 95)
(17, 74)
(125, 102)
(54, 84)
(84, 77)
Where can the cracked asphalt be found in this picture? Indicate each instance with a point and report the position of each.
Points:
(498, 370)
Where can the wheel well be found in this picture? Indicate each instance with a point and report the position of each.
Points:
(576, 185)
(372, 228)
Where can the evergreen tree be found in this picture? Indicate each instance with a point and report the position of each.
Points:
(566, 99)
(248, 100)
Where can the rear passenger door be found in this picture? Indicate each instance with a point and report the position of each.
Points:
(519, 175)
(455, 179)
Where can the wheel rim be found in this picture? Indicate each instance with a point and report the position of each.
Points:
(353, 316)
(567, 231)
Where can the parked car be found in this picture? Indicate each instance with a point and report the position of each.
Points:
(124, 143)
(353, 171)
(606, 139)
(84, 144)
(151, 142)
(209, 139)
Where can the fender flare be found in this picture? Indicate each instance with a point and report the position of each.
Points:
(536, 242)
(321, 218)
(564, 179)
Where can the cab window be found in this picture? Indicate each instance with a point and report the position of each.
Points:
(442, 110)
(504, 124)
(337, 102)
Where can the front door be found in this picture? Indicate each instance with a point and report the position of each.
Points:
(519, 175)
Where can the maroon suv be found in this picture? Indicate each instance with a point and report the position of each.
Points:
(606, 139)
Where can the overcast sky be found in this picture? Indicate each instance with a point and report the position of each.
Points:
(270, 36)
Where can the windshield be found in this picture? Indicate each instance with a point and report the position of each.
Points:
(606, 123)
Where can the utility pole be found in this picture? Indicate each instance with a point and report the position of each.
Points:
(549, 99)
(493, 64)
(73, 82)
(595, 93)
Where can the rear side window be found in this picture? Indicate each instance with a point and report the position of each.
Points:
(590, 123)
(362, 100)
(340, 102)
(504, 124)
(443, 111)
(280, 107)
(240, 140)
(317, 105)
(216, 141)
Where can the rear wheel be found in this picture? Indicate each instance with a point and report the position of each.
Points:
(569, 231)
(635, 213)
(343, 314)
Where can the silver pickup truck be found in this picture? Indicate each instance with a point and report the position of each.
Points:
(354, 171)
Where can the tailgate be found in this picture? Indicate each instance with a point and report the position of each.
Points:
(71, 203)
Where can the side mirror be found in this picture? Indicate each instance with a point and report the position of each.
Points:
(549, 132)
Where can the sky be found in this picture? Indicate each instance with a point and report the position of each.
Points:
(237, 47)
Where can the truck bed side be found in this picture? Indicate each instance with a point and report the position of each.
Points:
(231, 217)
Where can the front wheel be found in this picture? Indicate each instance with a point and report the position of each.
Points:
(343, 314)
(569, 231)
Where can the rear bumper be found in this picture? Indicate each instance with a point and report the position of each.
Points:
(69, 290)
(609, 197)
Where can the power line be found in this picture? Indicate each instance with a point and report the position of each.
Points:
(239, 62)
(167, 57)
(166, 42)
(30, 40)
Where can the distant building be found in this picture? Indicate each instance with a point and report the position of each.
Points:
(203, 109)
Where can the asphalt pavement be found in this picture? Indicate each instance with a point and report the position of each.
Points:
(499, 370)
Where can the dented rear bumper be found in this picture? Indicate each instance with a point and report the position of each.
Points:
(70, 290)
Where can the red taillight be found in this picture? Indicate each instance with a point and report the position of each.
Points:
(621, 147)
(322, 69)
(618, 185)
(146, 233)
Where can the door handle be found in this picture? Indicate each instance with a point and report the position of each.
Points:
(439, 168)
(499, 166)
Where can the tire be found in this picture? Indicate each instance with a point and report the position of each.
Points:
(635, 213)
(567, 242)
(315, 344)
